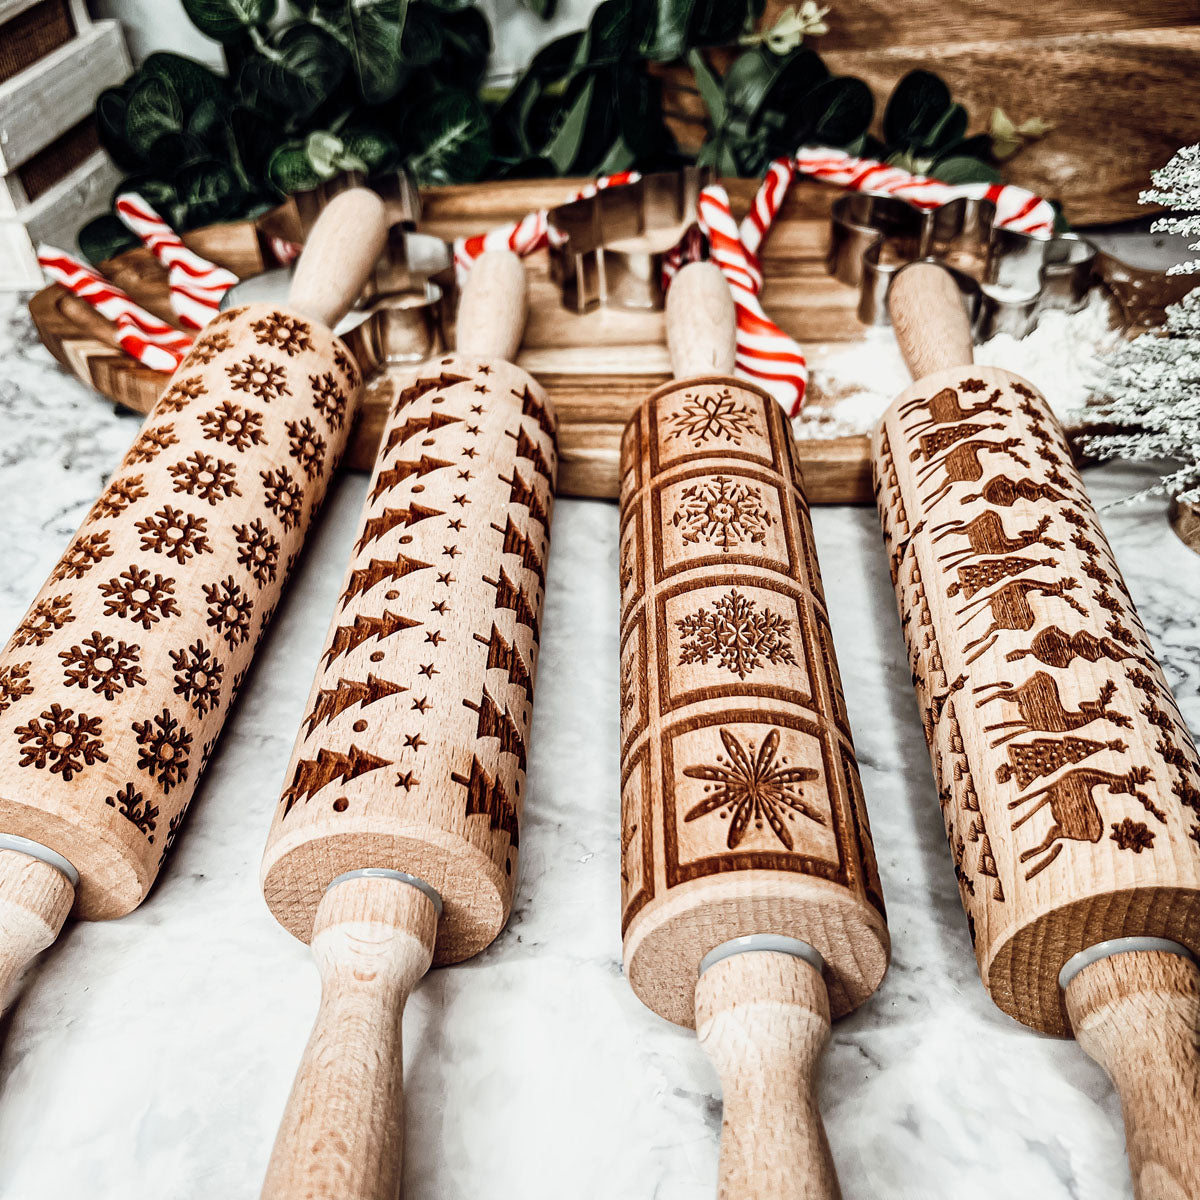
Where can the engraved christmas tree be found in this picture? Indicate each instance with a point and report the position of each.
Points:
(414, 425)
(393, 518)
(312, 774)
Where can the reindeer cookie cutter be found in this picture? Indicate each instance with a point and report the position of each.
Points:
(1009, 278)
(611, 249)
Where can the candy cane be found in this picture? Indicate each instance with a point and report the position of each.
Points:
(142, 335)
(196, 284)
(1016, 207)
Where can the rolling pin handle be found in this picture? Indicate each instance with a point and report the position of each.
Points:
(929, 315)
(37, 889)
(342, 1133)
(762, 1016)
(492, 307)
(1136, 1012)
(701, 322)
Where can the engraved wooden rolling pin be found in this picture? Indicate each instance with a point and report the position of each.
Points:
(399, 824)
(116, 684)
(746, 854)
(1067, 777)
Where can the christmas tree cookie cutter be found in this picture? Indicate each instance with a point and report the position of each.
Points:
(1008, 277)
(611, 249)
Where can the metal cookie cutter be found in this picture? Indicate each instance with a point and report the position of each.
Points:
(654, 217)
(1013, 276)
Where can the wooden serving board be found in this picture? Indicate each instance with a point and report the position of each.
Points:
(596, 367)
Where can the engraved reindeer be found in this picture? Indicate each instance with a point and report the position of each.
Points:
(944, 407)
(1011, 609)
(1076, 815)
(986, 535)
(937, 441)
(962, 463)
(1041, 709)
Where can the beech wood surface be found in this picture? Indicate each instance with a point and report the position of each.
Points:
(1068, 779)
(763, 1020)
(413, 754)
(742, 810)
(35, 899)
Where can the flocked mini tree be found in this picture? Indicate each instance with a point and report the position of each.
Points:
(1152, 384)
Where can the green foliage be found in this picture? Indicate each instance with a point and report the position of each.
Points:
(316, 87)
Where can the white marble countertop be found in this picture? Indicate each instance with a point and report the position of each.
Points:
(150, 1057)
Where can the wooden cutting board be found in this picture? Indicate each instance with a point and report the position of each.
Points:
(596, 367)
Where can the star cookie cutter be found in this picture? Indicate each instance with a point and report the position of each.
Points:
(655, 219)
(1009, 277)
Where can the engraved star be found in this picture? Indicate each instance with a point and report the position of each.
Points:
(473, 430)
(481, 387)
(450, 551)
(439, 607)
(407, 780)
(447, 579)
(465, 474)
(456, 524)
(469, 451)
(461, 500)
(477, 408)
(414, 741)
(485, 370)
(428, 670)
(435, 637)
(421, 705)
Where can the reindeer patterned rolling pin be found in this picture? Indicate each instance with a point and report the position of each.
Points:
(116, 684)
(1067, 777)
(751, 902)
(395, 842)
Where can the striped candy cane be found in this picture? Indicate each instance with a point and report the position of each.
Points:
(1016, 207)
(142, 335)
(196, 284)
(765, 354)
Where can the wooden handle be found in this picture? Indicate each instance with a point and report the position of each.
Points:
(339, 255)
(701, 322)
(1138, 1016)
(930, 319)
(492, 308)
(342, 1134)
(763, 1019)
(35, 899)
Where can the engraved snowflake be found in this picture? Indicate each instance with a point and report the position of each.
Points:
(265, 380)
(736, 633)
(750, 786)
(285, 333)
(715, 415)
(81, 556)
(306, 446)
(283, 496)
(181, 393)
(723, 513)
(174, 533)
(102, 663)
(329, 399)
(172, 833)
(197, 677)
(346, 365)
(205, 477)
(117, 497)
(233, 425)
(150, 443)
(207, 348)
(258, 551)
(1132, 835)
(14, 683)
(132, 805)
(163, 747)
(44, 618)
(229, 611)
(140, 597)
(62, 741)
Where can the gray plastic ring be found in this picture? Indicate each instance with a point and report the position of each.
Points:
(388, 873)
(14, 841)
(1125, 945)
(774, 942)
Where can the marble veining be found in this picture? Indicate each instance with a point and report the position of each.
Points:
(150, 1057)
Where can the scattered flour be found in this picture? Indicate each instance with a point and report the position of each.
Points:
(851, 385)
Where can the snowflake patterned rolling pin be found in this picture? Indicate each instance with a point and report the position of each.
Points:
(395, 842)
(115, 685)
(746, 853)
(1067, 777)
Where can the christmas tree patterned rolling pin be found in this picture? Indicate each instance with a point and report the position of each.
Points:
(395, 842)
(115, 685)
(751, 902)
(1067, 777)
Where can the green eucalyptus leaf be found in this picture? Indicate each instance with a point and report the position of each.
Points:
(916, 106)
(708, 85)
(946, 130)
(609, 34)
(666, 34)
(289, 169)
(110, 126)
(563, 149)
(839, 110)
(453, 139)
(228, 20)
(302, 71)
(154, 110)
(193, 81)
(962, 169)
(718, 22)
(619, 158)
(375, 30)
(105, 238)
(373, 146)
(208, 124)
(209, 191)
(421, 42)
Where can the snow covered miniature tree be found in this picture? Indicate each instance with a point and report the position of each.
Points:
(1152, 384)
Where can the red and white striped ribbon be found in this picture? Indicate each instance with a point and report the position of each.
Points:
(531, 232)
(197, 285)
(765, 354)
(1016, 207)
(141, 334)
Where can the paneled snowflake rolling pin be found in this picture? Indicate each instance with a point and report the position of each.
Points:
(746, 854)
(1067, 777)
(399, 824)
(115, 685)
